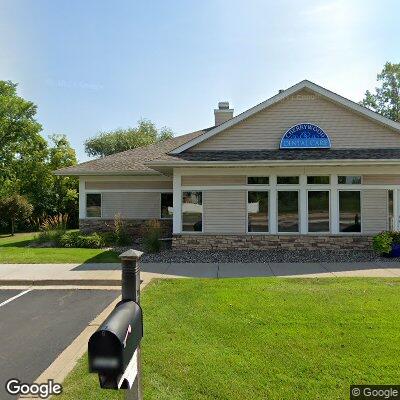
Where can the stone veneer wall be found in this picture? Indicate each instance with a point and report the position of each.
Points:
(268, 242)
(134, 226)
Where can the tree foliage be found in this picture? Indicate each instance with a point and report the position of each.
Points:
(115, 141)
(27, 161)
(15, 208)
(386, 99)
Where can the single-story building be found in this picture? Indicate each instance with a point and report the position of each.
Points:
(305, 168)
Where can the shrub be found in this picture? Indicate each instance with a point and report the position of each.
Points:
(15, 208)
(77, 239)
(50, 236)
(151, 236)
(382, 242)
(121, 235)
(396, 237)
(52, 229)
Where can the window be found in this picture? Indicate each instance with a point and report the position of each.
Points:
(349, 211)
(257, 211)
(288, 180)
(93, 205)
(318, 211)
(192, 211)
(288, 211)
(167, 206)
(318, 180)
(258, 180)
(349, 180)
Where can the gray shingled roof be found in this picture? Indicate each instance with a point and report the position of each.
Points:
(130, 161)
(285, 155)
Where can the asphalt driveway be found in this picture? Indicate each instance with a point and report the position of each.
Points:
(37, 326)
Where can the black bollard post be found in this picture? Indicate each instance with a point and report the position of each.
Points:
(130, 261)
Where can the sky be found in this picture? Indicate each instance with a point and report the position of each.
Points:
(97, 65)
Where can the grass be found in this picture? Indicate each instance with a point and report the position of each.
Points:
(13, 250)
(262, 338)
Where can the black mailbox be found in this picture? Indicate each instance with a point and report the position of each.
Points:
(113, 345)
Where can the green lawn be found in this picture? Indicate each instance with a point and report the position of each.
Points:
(262, 338)
(13, 250)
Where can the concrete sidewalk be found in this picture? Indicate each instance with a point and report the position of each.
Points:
(103, 274)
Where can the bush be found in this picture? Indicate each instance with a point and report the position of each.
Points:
(382, 243)
(77, 239)
(50, 236)
(151, 236)
(52, 229)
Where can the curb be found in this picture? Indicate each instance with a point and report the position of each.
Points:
(61, 282)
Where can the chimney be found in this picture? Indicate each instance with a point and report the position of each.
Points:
(223, 113)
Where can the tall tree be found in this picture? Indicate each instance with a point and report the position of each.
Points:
(15, 208)
(115, 141)
(386, 99)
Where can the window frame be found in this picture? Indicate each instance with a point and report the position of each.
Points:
(338, 211)
(101, 205)
(202, 213)
(329, 209)
(278, 232)
(172, 216)
(269, 212)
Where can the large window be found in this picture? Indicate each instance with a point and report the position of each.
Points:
(288, 211)
(257, 211)
(167, 206)
(349, 211)
(318, 211)
(349, 180)
(93, 205)
(192, 211)
(287, 180)
(258, 180)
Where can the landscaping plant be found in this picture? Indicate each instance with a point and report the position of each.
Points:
(151, 236)
(52, 229)
(15, 208)
(121, 235)
(382, 242)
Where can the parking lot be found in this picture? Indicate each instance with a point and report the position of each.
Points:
(37, 325)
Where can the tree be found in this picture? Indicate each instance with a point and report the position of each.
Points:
(15, 208)
(386, 99)
(115, 141)
(19, 131)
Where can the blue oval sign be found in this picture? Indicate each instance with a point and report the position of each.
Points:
(305, 136)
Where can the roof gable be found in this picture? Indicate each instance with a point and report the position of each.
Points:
(303, 85)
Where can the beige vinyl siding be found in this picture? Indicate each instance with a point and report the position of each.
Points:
(374, 210)
(131, 205)
(224, 211)
(210, 180)
(381, 179)
(123, 185)
(264, 130)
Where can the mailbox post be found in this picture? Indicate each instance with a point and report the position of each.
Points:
(114, 349)
(130, 261)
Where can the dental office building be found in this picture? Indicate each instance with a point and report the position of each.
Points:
(306, 168)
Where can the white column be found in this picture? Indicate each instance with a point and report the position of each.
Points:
(303, 205)
(177, 202)
(334, 205)
(273, 213)
(82, 199)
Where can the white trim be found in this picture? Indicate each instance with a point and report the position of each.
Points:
(129, 190)
(305, 84)
(273, 202)
(396, 209)
(302, 202)
(334, 204)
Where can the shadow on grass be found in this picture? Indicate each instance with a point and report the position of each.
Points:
(22, 243)
(107, 256)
